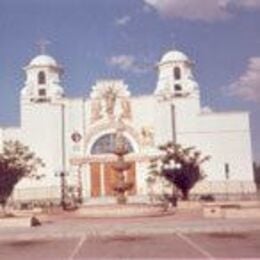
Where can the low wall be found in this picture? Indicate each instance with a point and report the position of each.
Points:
(232, 209)
(232, 190)
(224, 187)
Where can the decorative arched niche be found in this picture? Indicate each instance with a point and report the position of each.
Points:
(105, 141)
(107, 144)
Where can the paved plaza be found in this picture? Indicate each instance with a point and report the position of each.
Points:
(182, 235)
(176, 245)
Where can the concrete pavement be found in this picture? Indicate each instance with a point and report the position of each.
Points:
(184, 222)
(183, 235)
(172, 246)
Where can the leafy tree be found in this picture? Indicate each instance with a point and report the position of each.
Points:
(16, 162)
(158, 186)
(180, 166)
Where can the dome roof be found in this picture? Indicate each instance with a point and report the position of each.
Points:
(43, 60)
(174, 56)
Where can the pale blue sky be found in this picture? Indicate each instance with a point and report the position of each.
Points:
(94, 39)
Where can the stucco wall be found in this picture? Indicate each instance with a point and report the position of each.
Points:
(226, 138)
(42, 126)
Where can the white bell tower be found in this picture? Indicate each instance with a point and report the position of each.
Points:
(42, 80)
(175, 77)
(177, 94)
(43, 114)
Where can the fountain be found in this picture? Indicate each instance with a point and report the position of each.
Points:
(121, 186)
(121, 166)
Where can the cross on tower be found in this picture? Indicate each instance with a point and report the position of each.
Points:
(42, 44)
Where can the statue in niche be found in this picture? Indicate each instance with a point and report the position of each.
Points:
(96, 109)
(147, 135)
(110, 99)
(126, 108)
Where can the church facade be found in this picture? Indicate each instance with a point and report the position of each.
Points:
(76, 136)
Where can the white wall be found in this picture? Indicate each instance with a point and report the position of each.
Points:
(42, 130)
(164, 124)
(143, 108)
(74, 122)
(12, 133)
(226, 138)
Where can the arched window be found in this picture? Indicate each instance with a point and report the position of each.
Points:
(107, 144)
(177, 73)
(41, 78)
(177, 87)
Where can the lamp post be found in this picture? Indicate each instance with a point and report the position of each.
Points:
(63, 189)
(62, 174)
(227, 178)
(76, 138)
(79, 186)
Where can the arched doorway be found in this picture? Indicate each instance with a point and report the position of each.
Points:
(102, 173)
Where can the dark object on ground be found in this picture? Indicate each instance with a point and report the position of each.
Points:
(207, 197)
(35, 222)
(172, 199)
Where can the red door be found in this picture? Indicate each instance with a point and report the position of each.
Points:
(95, 179)
(110, 179)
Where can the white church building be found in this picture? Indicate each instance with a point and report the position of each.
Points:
(76, 136)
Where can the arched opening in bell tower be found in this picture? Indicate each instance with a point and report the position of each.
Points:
(41, 78)
(177, 73)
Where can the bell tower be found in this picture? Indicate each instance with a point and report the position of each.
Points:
(175, 77)
(42, 80)
(177, 95)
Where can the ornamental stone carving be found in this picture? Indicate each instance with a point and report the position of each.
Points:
(110, 99)
(147, 136)
(96, 110)
(126, 109)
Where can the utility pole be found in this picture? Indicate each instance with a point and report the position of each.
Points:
(62, 173)
(63, 147)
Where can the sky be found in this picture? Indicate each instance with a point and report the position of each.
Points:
(97, 39)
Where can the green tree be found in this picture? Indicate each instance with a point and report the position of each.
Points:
(16, 162)
(180, 166)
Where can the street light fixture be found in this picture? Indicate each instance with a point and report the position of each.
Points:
(79, 186)
(62, 174)
(227, 171)
(63, 188)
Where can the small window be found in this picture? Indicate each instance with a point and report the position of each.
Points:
(177, 73)
(177, 87)
(41, 78)
(42, 92)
